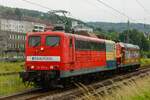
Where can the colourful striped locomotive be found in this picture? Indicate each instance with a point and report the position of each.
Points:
(56, 56)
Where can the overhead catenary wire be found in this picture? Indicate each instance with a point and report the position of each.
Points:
(141, 5)
(49, 9)
(116, 10)
(100, 1)
(146, 11)
(94, 5)
(121, 13)
(36, 4)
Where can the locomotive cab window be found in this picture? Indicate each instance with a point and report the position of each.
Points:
(34, 41)
(52, 41)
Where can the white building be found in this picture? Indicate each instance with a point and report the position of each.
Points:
(80, 27)
(13, 32)
(74, 23)
(19, 25)
(86, 29)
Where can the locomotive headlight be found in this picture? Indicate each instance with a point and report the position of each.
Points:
(42, 48)
(32, 67)
(51, 67)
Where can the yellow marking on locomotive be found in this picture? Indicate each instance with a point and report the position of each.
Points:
(110, 56)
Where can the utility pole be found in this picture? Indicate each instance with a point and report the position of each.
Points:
(128, 28)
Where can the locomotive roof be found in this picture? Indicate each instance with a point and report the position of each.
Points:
(79, 37)
(109, 41)
(46, 33)
(129, 46)
(86, 38)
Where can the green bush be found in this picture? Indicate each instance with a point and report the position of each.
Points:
(145, 54)
(145, 61)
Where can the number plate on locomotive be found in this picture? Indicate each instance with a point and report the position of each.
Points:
(43, 58)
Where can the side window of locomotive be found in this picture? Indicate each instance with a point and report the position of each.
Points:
(82, 45)
(52, 41)
(89, 45)
(34, 41)
(77, 44)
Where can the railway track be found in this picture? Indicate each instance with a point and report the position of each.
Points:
(102, 87)
(72, 93)
(24, 93)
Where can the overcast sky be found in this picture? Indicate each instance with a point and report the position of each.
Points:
(91, 10)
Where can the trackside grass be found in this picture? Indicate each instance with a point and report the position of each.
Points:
(11, 84)
(137, 90)
(145, 61)
(11, 67)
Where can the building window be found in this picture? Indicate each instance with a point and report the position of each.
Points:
(18, 37)
(23, 37)
(10, 36)
(14, 36)
(14, 46)
(18, 46)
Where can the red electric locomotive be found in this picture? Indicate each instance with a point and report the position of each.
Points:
(52, 56)
(55, 56)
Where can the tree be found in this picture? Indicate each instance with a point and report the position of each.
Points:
(114, 36)
(137, 38)
(111, 30)
(98, 29)
(18, 13)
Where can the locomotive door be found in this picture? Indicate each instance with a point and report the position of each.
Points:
(71, 52)
(123, 56)
(118, 54)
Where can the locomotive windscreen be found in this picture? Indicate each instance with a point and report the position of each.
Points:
(34, 41)
(52, 41)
